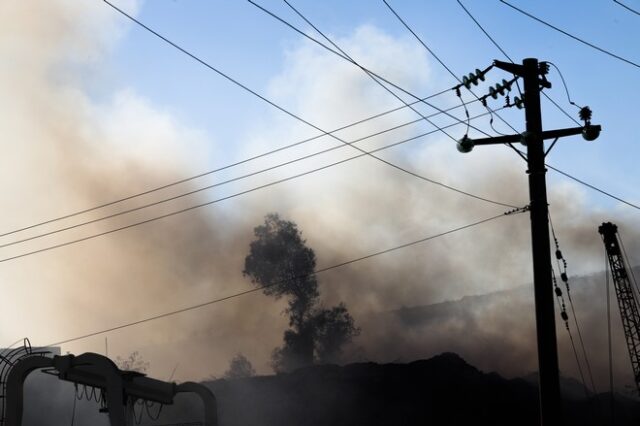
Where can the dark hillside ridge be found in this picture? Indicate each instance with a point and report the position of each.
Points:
(443, 390)
(496, 332)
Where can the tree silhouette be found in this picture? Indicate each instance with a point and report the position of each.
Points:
(280, 262)
(333, 329)
(239, 367)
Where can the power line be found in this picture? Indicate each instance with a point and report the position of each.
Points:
(569, 116)
(190, 208)
(562, 270)
(595, 188)
(165, 186)
(495, 43)
(272, 183)
(375, 76)
(421, 41)
(253, 92)
(588, 185)
(593, 46)
(316, 272)
(564, 83)
(194, 191)
(350, 60)
(627, 7)
(565, 318)
(417, 37)
(238, 178)
(369, 73)
(219, 169)
(510, 145)
(506, 55)
(322, 131)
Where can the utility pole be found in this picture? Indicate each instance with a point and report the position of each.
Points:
(541, 247)
(533, 74)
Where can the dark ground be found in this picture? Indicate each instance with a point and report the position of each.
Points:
(443, 390)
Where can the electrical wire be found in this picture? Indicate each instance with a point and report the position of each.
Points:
(495, 43)
(565, 318)
(569, 116)
(345, 57)
(627, 7)
(218, 184)
(369, 73)
(253, 92)
(466, 113)
(222, 168)
(562, 269)
(417, 37)
(190, 208)
(316, 272)
(564, 83)
(506, 55)
(593, 46)
(510, 145)
(366, 71)
(323, 132)
(588, 185)
(59, 245)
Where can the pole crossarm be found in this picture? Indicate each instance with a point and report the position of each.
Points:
(547, 134)
(523, 71)
(510, 67)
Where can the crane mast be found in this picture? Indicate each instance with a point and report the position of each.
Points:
(627, 301)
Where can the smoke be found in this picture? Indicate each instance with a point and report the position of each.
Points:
(66, 149)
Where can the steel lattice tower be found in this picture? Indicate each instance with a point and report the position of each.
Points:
(627, 301)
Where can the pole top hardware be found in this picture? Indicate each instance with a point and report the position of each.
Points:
(589, 132)
(517, 69)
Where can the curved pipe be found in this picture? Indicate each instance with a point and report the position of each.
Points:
(15, 386)
(105, 368)
(208, 399)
